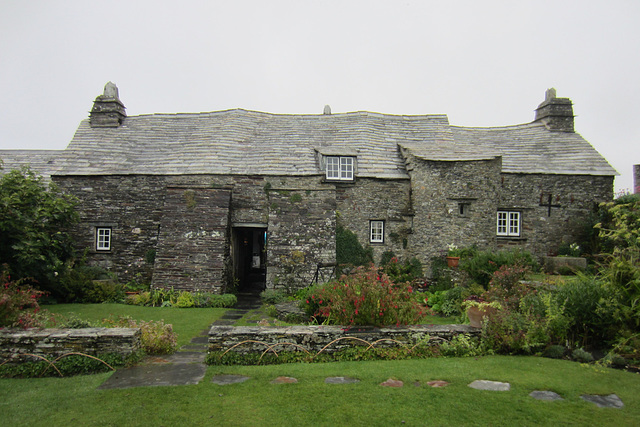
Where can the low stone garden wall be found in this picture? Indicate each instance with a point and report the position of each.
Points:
(15, 343)
(256, 339)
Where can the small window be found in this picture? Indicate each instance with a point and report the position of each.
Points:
(376, 231)
(463, 209)
(508, 223)
(340, 168)
(103, 239)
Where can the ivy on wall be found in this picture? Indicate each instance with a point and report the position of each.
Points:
(349, 250)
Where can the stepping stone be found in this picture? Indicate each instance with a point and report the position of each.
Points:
(156, 375)
(610, 401)
(392, 383)
(490, 385)
(228, 379)
(223, 323)
(193, 347)
(200, 340)
(341, 380)
(284, 380)
(186, 357)
(545, 395)
(232, 316)
(437, 383)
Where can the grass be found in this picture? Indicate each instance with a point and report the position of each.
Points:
(187, 322)
(75, 401)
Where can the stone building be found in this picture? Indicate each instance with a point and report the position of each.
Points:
(197, 201)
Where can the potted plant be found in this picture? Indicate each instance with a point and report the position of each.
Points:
(453, 256)
(477, 309)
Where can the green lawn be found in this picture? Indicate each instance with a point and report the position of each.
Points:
(75, 401)
(187, 322)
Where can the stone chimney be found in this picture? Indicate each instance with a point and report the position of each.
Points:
(636, 179)
(108, 110)
(555, 113)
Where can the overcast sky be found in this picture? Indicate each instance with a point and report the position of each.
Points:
(483, 63)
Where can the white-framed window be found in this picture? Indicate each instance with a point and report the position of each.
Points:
(338, 167)
(508, 223)
(376, 231)
(103, 238)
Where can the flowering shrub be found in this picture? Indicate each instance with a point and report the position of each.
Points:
(15, 299)
(366, 297)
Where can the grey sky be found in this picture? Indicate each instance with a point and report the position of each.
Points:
(483, 63)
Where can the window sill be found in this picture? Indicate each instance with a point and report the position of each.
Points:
(511, 238)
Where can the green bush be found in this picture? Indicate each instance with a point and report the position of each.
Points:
(529, 319)
(554, 352)
(349, 250)
(184, 300)
(34, 217)
(273, 296)
(399, 272)
(156, 336)
(181, 299)
(366, 297)
(482, 264)
(87, 284)
(105, 291)
(581, 356)
(589, 306)
(461, 345)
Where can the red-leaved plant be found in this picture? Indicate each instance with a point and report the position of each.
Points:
(366, 297)
(16, 300)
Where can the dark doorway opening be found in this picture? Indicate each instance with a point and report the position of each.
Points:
(249, 258)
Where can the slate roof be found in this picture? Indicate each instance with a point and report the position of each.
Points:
(42, 162)
(532, 148)
(250, 142)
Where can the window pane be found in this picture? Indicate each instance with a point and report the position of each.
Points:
(103, 239)
(508, 223)
(514, 223)
(377, 231)
(346, 168)
(502, 224)
(333, 167)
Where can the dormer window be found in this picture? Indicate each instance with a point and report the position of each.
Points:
(339, 167)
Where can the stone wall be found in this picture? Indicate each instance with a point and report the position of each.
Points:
(132, 206)
(444, 203)
(544, 229)
(302, 218)
(377, 199)
(194, 239)
(314, 338)
(55, 342)
(454, 203)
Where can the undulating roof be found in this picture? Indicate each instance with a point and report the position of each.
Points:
(249, 142)
(532, 148)
(42, 162)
